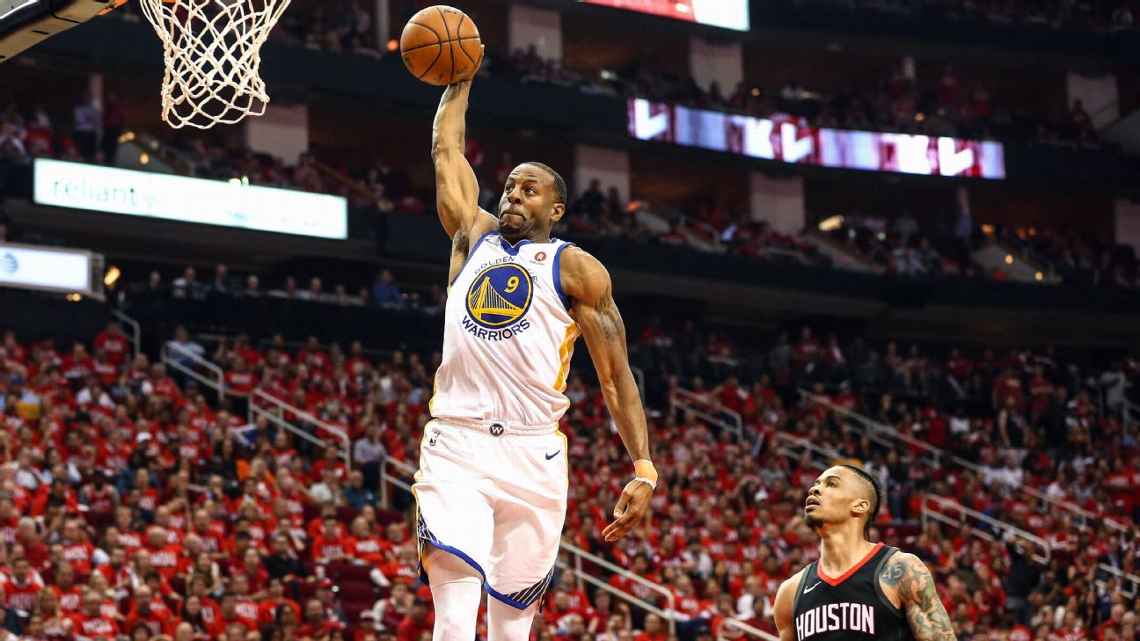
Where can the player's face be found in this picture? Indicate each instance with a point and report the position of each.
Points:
(831, 498)
(528, 205)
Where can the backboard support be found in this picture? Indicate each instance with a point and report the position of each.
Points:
(26, 23)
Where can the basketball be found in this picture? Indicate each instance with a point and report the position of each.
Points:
(440, 45)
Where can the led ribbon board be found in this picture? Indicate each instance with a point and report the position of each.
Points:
(792, 140)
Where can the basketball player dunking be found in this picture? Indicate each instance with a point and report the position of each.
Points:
(857, 589)
(492, 484)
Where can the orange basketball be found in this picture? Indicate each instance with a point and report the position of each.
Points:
(441, 45)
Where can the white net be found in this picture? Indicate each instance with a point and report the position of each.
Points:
(212, 51)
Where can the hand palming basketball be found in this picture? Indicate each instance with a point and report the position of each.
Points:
(440, 45)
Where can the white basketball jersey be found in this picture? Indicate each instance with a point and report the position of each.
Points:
(508, 337)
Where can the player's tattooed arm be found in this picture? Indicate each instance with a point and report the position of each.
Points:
(909, 576)
(587, 283)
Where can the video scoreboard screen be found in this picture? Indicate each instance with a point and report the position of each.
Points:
(726, 14)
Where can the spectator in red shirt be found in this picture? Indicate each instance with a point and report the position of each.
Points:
(78, 364)
(231, 614)
(654, 630)
(164, 556)
(149, 610)
(267, 608)
(195, 616)
(367, 546)
(92, 623)
(418, 621)
(69, 594)
(113, 343)
(22, 587)
(28, 535)
(56, 623)
(240, 380)
(332, 543)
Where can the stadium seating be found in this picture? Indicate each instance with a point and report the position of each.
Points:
(932, 424)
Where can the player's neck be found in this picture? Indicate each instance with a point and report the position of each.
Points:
(531, 236)
(841, 547)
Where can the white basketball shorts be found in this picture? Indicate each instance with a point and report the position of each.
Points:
(496, 498)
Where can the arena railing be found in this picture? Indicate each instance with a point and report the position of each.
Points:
(968, 520)
(819, 456)
(1129, 583)
(348, 181)
(176, 357)
(580, 555)
(388, 479)
(274, 410)
(890, 437)
(133, 325)
(711, 411)
(621, 594)
(750, 630)
(580, 558)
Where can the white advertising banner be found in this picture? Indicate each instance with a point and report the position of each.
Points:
(30, 267)
(191, 200)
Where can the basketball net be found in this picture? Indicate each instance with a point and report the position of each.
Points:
(212, 51)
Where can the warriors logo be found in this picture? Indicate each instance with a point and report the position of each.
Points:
(499, 295)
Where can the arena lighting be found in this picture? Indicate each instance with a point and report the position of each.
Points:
(74, 298)
(1039, 276)
(112, 276)
(831, 223)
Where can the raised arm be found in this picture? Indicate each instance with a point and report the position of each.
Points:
(588, 285)
(457, 191)
(909, 577)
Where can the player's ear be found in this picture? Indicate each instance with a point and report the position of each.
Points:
(861, 507)
(557, 212)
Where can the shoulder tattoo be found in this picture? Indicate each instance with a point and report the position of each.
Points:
(915, 585)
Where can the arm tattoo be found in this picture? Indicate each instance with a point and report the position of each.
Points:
(924, 611)
(609, 318)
